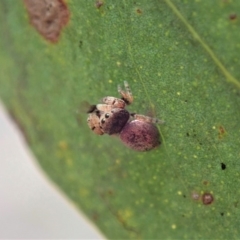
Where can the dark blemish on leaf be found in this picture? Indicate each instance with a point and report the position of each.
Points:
(233, 16)
(186, 101)
(223, 166)
(48, 17)
(80, 44)
(98, 4)
(221, 213)
(205, 182)
(184, 195)
(63, 145)
(139, 11)
(95, 217)
(221, 132)
(195, 196)
(110, 192)
(194, 133)
(187, 134)
(207, 198)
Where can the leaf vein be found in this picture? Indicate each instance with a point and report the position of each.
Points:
(227, 74)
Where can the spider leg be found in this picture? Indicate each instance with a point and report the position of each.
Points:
(93, 123)
(126, 94)
(146, 118)
(128, 91)
(114, 102)
(104, 107)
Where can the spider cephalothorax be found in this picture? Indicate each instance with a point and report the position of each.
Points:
(111, 117)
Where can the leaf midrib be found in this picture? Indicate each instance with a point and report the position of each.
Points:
(194, 33)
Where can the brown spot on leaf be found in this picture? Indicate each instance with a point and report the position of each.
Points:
(139, 11)
(221, 132)
(95, 216)
(63, 145)
(207, 198)
(98, 4)
(110, 192)
(48, 17)
(205, 182)
(233, 16)
(80, 44)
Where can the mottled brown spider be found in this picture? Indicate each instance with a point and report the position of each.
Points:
(110, 117)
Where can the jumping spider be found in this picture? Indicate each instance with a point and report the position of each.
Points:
(136, 131)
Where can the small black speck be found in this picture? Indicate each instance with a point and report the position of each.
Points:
(184, 195)
(221, 213)
(186, 101)
(80, 43)
(187, 134)
(223, 166)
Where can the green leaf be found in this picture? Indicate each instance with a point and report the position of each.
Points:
(181, 59)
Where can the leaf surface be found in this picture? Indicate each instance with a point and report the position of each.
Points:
(181, 59)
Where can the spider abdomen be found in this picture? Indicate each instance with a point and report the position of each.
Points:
(140, 136)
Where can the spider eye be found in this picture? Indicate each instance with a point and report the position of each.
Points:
(103, 120)
(98, 113)
(107, 115)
